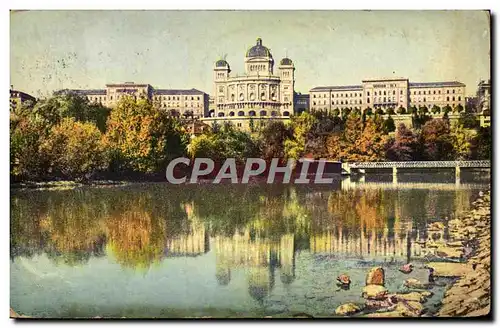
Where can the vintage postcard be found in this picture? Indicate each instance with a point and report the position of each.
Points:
(250, 164)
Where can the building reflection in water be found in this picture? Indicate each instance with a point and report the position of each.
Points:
(391, 244)
(258, 257)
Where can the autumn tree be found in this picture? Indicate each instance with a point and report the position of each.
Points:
(358, 141)
(371, 144)
(143, 138)
(75, 149)
(436, 141)
(404, 146)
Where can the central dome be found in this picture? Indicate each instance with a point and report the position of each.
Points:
(259, 50)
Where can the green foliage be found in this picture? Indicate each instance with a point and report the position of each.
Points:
(74, 149)
(27, 161)
(143, 138)
(461, 139)
(401, 110)
(446, 109)
(436, 109)
(391, 111)
(227, 143)
(422, 110)
(272, 139)
(481, 145)
(459, 108)
(389, 125)
(301, 126)
(468, 120)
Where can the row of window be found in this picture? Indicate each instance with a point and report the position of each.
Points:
(341, 102)
(188, 105)
(253, 113)
(459, 98)
(434, 92)
(341, 95)
(176, 98)
(380, 100)
(380, 93)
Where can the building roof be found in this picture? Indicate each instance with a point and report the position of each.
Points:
(82, 92)
(337, 88)
(286, 61)
(21, 94)
(221, 63)
(388, 79)
(177, 92)
(436, 84)
(128, 84)
(259, 50)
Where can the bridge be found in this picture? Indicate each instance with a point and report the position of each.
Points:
(359, 167)
(347, 184)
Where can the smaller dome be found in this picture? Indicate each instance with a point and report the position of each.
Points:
(221, 63)
(286, 61)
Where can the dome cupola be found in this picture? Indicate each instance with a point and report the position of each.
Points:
(286, 61)
(259, 50)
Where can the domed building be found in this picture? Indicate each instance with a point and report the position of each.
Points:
(251, 99)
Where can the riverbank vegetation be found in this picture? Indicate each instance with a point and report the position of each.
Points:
(67, 138)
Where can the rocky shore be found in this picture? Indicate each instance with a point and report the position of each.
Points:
(464, 255)
(470, 296)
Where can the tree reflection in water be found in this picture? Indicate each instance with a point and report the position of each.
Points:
(258, 227)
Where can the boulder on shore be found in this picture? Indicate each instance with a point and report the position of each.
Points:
(375, 292)
(347, 309)
(410, 308)
(412, 296)
(449, 269)
(376, 276)
(415, 284)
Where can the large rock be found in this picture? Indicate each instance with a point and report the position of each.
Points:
(375, 292)
(449, 252)
(415, 284)
(448, 269)
(435, 226)
(347, 309)
(410, 309)
(375, 276)
(413, 296)
(390, 314)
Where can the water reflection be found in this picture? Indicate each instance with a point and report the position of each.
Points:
(258, 231)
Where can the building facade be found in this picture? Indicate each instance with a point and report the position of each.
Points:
(388, 94)
(260, 94)
(484, 102)
(17, 98)
(183, 102)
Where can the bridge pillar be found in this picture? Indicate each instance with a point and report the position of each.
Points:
(394, 174)
(457, 174)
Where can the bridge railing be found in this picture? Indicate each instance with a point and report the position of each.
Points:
(420, 164)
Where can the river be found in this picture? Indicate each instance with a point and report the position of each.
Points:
(157, 250)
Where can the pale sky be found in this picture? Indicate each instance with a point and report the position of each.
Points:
(53, 50)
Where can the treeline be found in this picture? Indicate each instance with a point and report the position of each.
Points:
(66, 137)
